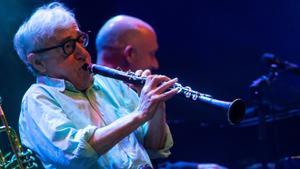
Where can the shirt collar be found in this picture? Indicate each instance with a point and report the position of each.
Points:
(59, 84)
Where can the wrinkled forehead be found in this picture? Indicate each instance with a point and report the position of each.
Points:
(60, 33)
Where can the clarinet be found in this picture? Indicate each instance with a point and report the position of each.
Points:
(235, 109)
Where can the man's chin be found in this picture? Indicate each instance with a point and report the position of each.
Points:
(84, 83)
(88, 82)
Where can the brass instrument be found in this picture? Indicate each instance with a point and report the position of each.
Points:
(235, 110)
(20, 159)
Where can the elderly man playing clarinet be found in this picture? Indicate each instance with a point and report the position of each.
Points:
(74, 119)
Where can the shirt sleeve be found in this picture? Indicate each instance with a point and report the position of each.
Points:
(165, 151)
(142, 130)
(130, 102)
(46, 129)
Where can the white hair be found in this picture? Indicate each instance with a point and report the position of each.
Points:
(42, 24)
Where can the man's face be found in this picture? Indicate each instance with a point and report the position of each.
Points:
(145, 47)
(58, 65)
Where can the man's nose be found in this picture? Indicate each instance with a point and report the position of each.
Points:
(80, 52)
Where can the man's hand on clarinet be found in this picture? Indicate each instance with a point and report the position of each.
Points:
(154, 93)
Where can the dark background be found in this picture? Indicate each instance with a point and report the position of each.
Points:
(214, 46)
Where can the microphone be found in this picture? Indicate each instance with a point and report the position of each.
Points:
(271, 59)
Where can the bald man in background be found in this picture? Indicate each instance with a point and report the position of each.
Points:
(130, 43)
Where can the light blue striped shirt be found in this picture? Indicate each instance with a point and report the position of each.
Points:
(56, 121)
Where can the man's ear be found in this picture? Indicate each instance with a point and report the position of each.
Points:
(36, 62)
(129, 54)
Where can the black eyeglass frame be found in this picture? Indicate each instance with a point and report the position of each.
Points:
(83, 36)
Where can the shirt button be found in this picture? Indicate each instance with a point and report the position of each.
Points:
(97, 88)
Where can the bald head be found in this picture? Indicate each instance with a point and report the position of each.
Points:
(124, 41)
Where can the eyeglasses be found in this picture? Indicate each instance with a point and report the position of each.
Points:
(69, 45)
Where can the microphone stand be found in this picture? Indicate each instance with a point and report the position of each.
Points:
(257, 89)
